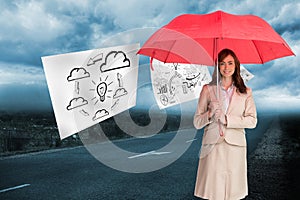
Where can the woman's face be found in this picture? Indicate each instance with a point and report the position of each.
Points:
(227, 66)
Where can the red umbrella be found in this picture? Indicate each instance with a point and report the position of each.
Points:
(197, 38)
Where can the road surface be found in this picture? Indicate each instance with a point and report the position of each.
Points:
(73, 173)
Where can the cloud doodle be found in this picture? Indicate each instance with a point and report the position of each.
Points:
(120, 92)
(78, 73)
(115, 60)
(100, 113)
(77, 102)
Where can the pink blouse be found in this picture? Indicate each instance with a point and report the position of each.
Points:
(227, 94)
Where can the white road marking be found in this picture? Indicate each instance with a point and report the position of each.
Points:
(191, 140)
(160, 153)
(14, 188)
(140, 155)
(148, 153)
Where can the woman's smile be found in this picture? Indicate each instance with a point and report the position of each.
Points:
(227, 66)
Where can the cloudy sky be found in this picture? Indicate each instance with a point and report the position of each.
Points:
(32, 29)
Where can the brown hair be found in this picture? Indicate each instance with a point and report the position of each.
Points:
(236, 77)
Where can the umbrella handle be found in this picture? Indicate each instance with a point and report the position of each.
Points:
(216, 60)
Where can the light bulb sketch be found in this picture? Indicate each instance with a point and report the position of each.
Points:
(102, 89)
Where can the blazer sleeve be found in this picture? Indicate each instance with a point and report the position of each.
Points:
(248, 119)
(201, 115)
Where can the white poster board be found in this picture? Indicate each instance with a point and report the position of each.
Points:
(88, 87)
(175, 83)
(245, 74)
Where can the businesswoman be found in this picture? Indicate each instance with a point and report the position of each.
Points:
(224, 112)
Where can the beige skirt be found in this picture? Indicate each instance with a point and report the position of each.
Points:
(222, 174)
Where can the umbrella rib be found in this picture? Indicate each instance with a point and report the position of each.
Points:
(257, 50)
(169, 51)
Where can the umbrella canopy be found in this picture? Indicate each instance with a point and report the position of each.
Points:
(197, 39)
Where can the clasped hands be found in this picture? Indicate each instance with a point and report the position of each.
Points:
(216, 112)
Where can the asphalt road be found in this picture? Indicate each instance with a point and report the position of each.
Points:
(74, 173)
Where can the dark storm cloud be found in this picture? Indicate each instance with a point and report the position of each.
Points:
(31, 29)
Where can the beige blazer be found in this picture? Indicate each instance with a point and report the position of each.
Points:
(241, 114)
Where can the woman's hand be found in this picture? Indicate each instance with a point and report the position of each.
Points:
(213, 106)
(219, 115)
